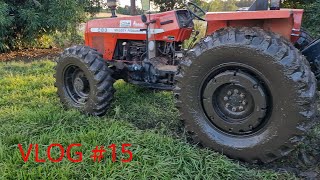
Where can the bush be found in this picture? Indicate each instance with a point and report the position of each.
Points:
(312, 18)
(23, 22)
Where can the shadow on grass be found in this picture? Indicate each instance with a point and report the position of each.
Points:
(145, 108)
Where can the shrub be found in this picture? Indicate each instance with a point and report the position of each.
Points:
(312, 18)
(23, 22)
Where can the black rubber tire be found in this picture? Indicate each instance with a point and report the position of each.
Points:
(292, 87)
(99, 76)
(302, 43)
(304, 40)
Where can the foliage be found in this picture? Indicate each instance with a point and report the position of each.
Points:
(198, 26)
(222, 5)
(167, 5)
(23, 22)
(127, 10)
(312, 18)
(244, 3)
(218, 5)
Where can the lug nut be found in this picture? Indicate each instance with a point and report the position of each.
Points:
(244, 102)
(227, 105)
(234, 109)
(241, 108)
(242, 95)
(226, 98)
(236, 91)
(229, 93)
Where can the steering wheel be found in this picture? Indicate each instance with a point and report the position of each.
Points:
(195, 10)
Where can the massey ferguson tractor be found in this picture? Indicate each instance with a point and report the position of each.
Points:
(247, 90)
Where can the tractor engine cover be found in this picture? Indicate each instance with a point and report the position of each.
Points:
(104, 34)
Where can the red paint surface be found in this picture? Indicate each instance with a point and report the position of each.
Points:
(110, 39)
(286, 22)
(278, 21)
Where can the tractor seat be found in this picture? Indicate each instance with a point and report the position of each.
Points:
(258, 5)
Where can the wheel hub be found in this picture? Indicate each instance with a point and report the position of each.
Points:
(77, 84)
(235, 102)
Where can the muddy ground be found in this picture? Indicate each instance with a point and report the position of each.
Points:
(28, 55)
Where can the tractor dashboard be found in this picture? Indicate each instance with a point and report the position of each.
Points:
(183, 17)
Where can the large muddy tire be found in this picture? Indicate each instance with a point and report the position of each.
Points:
(84, 81)
(246, 93)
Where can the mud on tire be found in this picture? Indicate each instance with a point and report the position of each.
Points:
(84, 81)
(271, 73)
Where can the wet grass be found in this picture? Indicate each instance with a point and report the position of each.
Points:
(30, 113)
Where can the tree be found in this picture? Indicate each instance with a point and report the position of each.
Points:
(133, 7)
(23, 21)
(221, 5)
(311, 19)
(244, 3)
(127, 10)
(167, 5)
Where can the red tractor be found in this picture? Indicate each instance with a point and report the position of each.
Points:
(244, 90)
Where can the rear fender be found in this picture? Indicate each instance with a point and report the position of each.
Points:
(286, 22)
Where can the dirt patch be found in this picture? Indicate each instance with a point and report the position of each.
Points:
(28, 55)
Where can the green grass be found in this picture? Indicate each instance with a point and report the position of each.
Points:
(30, 112)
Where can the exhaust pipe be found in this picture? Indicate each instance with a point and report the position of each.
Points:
(275, 4)
(112, 4)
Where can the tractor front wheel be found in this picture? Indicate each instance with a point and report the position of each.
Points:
(247, 93)
(84, 81)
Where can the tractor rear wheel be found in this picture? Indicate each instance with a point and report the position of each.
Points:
(247, 93)
(304, 40)
(84, 81)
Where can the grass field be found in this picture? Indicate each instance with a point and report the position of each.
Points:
(30, 113)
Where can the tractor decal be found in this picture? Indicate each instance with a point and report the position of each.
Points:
(125, 30)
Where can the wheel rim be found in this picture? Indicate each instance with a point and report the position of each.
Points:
(76, 84)
(235, 99)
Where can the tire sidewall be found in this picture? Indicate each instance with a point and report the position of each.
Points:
(284, 116)
(68, 61)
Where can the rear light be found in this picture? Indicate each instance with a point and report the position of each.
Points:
(275, 5)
